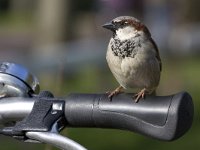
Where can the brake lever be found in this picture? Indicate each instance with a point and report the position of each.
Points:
(54, 138)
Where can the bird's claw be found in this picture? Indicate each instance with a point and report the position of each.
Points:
(139, 95)
(114, 92)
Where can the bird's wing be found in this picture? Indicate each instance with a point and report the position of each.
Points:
(157, 53)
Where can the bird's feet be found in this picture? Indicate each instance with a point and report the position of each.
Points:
(140, 95)
(114, 92)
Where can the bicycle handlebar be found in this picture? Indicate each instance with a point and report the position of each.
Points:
(30, 117)
(161, 117)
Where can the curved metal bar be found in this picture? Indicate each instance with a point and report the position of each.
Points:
(55, 139)
(15, 108)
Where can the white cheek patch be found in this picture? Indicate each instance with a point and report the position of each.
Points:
(126, 33)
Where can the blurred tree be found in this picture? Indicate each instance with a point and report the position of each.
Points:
(52, 19)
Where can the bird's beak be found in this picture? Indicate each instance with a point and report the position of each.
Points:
(109, 26)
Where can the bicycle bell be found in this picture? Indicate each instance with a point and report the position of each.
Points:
(17, 81)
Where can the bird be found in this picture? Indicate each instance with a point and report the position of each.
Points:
(133, 57)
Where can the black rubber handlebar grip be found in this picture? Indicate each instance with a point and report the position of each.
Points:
(161, 117)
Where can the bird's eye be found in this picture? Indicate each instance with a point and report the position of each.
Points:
(126, 22)
(116, 22)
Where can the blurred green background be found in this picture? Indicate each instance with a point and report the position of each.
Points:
(63, 44)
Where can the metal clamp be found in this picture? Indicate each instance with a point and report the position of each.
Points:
(44, 114)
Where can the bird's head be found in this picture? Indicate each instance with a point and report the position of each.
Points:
(126, 27)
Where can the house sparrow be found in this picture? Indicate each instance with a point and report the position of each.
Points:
(133, 56)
